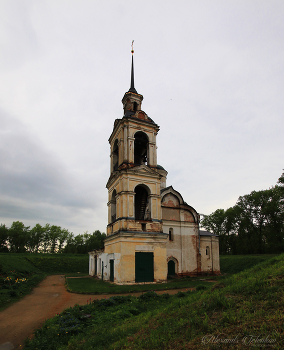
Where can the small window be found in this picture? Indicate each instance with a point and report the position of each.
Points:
(171, 234)
(207, 252)
(143, 227)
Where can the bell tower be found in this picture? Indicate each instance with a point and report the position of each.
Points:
(134, 231)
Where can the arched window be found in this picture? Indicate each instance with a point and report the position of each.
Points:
(171, 234)
(115, 155)
(207, 252)
(113, 206)
(135, 105)
(142, 208)
(140, 148)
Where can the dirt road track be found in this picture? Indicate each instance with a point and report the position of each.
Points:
(50, 297)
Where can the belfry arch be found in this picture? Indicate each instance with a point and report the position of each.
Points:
(141, 146)
(142, 203)
(113, 206)
(115, 155)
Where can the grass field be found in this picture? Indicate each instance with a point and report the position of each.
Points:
(241, 311)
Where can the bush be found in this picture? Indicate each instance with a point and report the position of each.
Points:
(165, 296)
(135, 311)
(148, 295)
(13, 293)
(200, 287)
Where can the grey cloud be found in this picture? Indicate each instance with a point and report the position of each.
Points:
(29, 172)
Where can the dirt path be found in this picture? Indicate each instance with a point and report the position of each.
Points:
(50, 297)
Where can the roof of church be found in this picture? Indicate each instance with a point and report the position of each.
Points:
(206, 233)
(160, 167)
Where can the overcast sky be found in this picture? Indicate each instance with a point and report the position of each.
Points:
(212, 76)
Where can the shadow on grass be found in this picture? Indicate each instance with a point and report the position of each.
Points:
(97, 286)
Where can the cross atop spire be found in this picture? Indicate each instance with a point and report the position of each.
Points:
(132, 88)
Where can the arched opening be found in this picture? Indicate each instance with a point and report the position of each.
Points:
(135, 105)
(171, 268)
(113, 206)
(142, 207)
(171, 234)
(140, 148)
(208, 252)
(115, 155)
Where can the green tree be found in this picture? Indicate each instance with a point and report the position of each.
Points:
(254, 225)
(37, 235)
(215, 222)
(84, 243)
(19, 236)
(70, 247)
(46, 238)
(63, 236)
(54, 233)
(4, 235)
(95, 241)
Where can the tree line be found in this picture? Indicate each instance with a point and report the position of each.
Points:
(47, 239)
(254, 225)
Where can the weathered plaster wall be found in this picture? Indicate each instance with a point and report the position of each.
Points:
(125, 245)
(184, 245)
(210, 263)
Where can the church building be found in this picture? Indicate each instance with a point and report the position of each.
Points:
(152, 233)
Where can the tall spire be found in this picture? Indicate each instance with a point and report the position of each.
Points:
(132, 88)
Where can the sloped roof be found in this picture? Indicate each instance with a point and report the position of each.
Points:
(206, 233)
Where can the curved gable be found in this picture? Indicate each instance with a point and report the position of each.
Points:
(170, 200)
(170, 190)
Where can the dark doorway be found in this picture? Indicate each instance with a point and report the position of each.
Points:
(142, 211)
(171, 268)
(111, 270)
(144, 267)
(140, 148)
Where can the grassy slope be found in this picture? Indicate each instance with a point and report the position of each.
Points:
(30, 269)
(236, 263)
(15, 266)
(47, 263)
(16, 262)
(248, 303)
(247, 307)
(60, 263)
